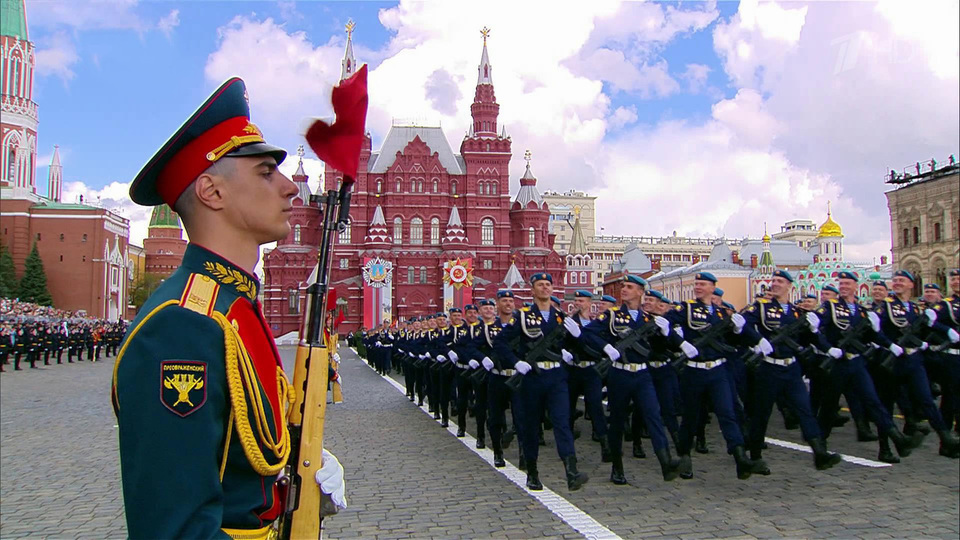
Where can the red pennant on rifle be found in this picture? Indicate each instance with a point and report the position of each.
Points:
(338, 145)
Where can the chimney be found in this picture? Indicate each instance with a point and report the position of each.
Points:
(753, 261)
(696, 258)
(655, 265)
(735, 255)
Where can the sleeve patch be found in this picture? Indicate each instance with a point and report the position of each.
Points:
(183, 386)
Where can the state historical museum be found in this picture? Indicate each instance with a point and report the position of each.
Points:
(430, 229)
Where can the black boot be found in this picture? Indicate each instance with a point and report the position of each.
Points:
(481, 441)
(685, 469)
(840, 420)
(508, 438)
(790, 420)
(675, 437)
(638, 449)
(522, 464)
(746, 467)
(949, 445)
(701, 445)
(604, 450)
(668, 465)
(576, 433)
(886, 455)
(904, 444)
(533, 477)
(823, 459)
(864, 432)
(912, 426)
(575, 478)
(498, 460)
(461, 432)
(616, 471)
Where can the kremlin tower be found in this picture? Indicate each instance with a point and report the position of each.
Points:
(164, 245)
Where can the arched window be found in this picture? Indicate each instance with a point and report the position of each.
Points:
(423, 274)
(296, 234)
(936, 232)
(494, 187)
(436, 185)
(583, 278)
(488, 147)
(916, 235)
(416, 231)
(345, 235)
(12, 165)
(293, 301)
(453, 188)
(397, 230)
(906, 237)
(573, 278)
(486, 232)
(411, 277)
(61, 237)
(84, 238)
(379, 186)
(531, 237)
(435, 231)
(399, 185)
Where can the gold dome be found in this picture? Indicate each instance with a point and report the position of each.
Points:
(830, 227)
(766, 237)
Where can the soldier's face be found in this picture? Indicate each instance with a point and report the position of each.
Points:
(902, 285)
(703, 288)
(878, 293)
(583, 305)
(716, 300)
(649, 304)
(780, 286)
(828, 295)
(470, 316)
(488, 312)
(955, 284)
(809, 304)
(542, 290)
(631, 292)
(456, 318)
(506, 305)
(259, 199)
(931, 296)
(604, 305)
(848, 288)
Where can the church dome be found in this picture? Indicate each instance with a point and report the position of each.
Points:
(164, 217)
(830, 227)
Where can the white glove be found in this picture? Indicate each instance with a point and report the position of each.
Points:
(924, 346)
(835, 352)
(474, 364)
(410, 354)
(330, 479)
(738, 322)
(427, 355)
(487, 363)
(931, 316)
(765, 347)
(953, 335)
(454, 356)
(874, 321)
(441, 358)
(689, 350)
(522, 367)
(424, 356)
(567, 357)
(572, 327)
(336, 356)
(813, 321)
(612, 352)
(896, 349)
(662, 324)
(678, 330)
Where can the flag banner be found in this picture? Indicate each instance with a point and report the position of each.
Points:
(457, 283)
(377, 291)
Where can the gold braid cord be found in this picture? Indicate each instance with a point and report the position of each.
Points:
(241, 381)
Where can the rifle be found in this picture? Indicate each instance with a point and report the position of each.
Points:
(784, 336)
(909, 337)
(711, 336)
(634, 339)
(541, 349)
(850, 340)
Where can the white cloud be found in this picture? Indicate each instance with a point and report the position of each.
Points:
(168, 22)
(623, 116)
(116, 198)
(696, 77)
(87, 15)
(56, 56)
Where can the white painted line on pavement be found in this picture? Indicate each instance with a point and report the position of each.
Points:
(562, 508)
(850, 459)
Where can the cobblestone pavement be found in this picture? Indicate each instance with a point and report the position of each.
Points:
(407, 477)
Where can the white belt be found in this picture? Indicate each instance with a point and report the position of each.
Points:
(586, 364)
(657, 364)
(504, 372)
(633, 368)
(548, 365)
(955, 352)
(911, 350)
(779, 361)
(707, 365)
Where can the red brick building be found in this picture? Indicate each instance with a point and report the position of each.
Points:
(164, 245)
(423, 219)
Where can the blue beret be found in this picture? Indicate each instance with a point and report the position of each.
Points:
(555, 300)
(880, 283)
(456, 310)
(608, 298)
(933, 286)
(540, 276)
(783, 274)
(441, 314)
(847, 275)
(718, 291)
(504, 294)
(528, 304)
(728, 305)
(414, 319)
(584, 294)
(811, 296)
(635, 279)
(705, 276)
(468, 307)
(656, 294)
(904, 273)
(486, 302)
(955, 272)
(831, 288)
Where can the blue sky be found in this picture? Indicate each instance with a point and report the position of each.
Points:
(767, 109)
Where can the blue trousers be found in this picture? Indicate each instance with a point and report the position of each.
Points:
(586, 381)
(738, 387)
(694, 383)
(850, 377)
(498, 396)
(950, 400)
(623, 386)
(546, 389)
(667, 386)
(910, 374)
(786, 383)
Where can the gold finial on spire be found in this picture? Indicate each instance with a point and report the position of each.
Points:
(485, 32)
(828, 208)
(766, 237)
(830, 227)
(576, 211)
(527, 156)
(350, 26)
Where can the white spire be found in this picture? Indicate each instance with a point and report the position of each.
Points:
(55, 176)
(349, 64)
(377, 232)
(454, 232)
(454, 220)
(378, 218)
(485, 70)
(513, 277)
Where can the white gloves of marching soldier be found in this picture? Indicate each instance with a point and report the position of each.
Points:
(441, 358)
(813, 321)
(487, 363)
(572, 327)
(738, 322)
(953, 336)
(689, 350)
(896, 349)
(612, 352)
(874, 321)
(834, 352)
(454, 357)
(662, 324)
(567, 357)
(522, 367)
(474, 364)
(330, 479)
(336, 356)
(765, 347)
(931, 316)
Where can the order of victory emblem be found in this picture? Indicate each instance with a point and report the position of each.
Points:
(378, 272)
(458, 273)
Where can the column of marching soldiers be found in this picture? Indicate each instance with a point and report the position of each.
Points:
(655, 360)
(36, 341)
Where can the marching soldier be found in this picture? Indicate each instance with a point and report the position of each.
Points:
(584, 379)
(545, 382)
(199, 391)
(948, 313)
(605, 302)
(498, 394)
(629, 378)
(665, 379)
(20, 341)
(462, 351)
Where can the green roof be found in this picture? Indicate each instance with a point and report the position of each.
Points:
(164, 217)
(53, 205)
(13, 19)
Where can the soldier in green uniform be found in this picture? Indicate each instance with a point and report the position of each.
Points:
(198, 388)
